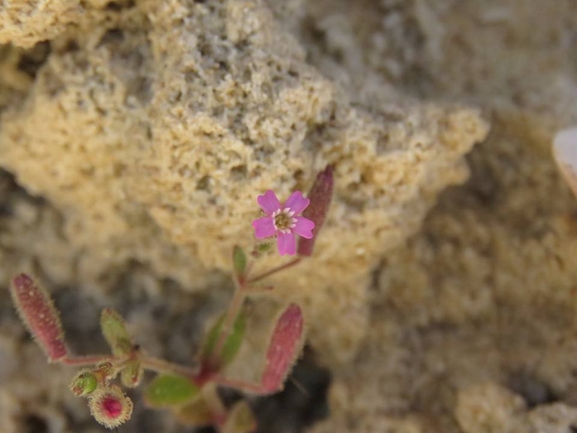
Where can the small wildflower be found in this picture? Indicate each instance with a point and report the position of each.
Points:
(283, 220)
(110, 407)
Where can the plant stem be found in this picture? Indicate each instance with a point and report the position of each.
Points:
(240, 385)
(230, 317)
(275, 270)
(162, 366)
(84, 361)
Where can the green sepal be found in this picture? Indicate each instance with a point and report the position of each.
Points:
(131, 375)
(170, 390)
(263, 247)
(115, 333)
(232, 344)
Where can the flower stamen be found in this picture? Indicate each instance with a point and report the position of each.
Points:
(283, 220)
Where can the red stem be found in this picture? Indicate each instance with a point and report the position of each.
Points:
(84, 361)
(275, 270)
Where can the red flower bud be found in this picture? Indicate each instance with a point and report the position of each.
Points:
(110, 407)
(320, 195)
(39, 315)
(285, 346)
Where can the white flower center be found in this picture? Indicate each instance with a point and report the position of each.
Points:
(284, 220)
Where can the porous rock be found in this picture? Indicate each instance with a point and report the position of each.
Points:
(150, 127)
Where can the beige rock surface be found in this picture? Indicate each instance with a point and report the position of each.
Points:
(149, 128)
(27, 22)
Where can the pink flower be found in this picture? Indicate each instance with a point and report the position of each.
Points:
(283, 221)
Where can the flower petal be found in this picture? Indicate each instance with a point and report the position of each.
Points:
(286, 244)
(264, 227)
(296, 202)
(304, 227)
(268, 202)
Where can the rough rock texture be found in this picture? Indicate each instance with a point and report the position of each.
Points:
(149, 127)
(27, 22)
(153, 127)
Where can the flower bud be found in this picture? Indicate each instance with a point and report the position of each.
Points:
(110, 407)
(284, 348)
(131, 375)
(38, 313)
(105, 371)
(84, 383)
(320, 197)
(115, 333)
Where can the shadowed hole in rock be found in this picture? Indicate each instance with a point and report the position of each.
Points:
(238, 173)
(203, 184)
(33, 59)
(302, 402)
(116, 6)
(112, 36)
(531, 389)
(34, 424)
(205, 430)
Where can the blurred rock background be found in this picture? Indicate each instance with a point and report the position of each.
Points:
(135, 136)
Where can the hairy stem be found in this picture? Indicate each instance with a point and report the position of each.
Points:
(230, 317)
(85, 361)
(249, 387)
(275, 270)
(162, 366)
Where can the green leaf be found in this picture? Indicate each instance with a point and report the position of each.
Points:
(197, 413)
(240, 419)
(263, 247)
(170, 390)
(115, 332)
(231, 345)
(239, 262)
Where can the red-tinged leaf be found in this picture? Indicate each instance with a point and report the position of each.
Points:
(285, 346)
(37, 311)
(320, 195)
